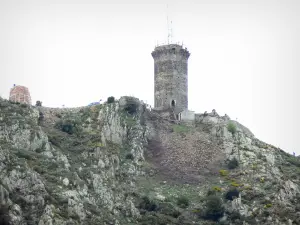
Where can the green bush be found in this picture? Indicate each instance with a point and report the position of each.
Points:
(232, 193)
(69, 126)
(231, 127)
(131, 108)
(233, 163)
(214, 208)
(183, 202)
(129, 156)
(147, 204)
(24, 105)
(111, 99)
(223, 173)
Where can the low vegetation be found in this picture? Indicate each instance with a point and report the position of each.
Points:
(179, 128)
(231, 127)
(213, 208)
(110, 99)
(183, 201)
(232, 194)
(233, 163)
(38, 103)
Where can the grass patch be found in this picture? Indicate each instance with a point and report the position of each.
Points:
(178, 128)
(183, 202)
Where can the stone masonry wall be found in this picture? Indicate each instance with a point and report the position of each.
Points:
(171, 76)
(20, 94)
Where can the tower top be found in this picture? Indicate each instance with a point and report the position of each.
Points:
(173, 49)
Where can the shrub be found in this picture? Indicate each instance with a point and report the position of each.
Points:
(214, 208)
(4, 215)
(268, 205)
(231, 127)
(147, 204)
(167, 208)
(69, 126)
(233, 163)
(129, 156)
(38, 103)
(235, 216)
(223, 173)
(183, 202)
(111, 99)
(232, 193)
(131, 108)
(217, 189)
(211, 192)
(41, 117)
(235, 184)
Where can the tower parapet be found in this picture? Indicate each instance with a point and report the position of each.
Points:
(170, 50)
(171, 77)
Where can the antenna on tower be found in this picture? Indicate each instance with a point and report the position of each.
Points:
(171, 32)
(168, 23)
(169, 27)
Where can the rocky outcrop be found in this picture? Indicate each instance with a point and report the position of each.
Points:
(86, 185)
(121, 163)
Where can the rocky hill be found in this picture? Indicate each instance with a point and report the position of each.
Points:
(122, 164)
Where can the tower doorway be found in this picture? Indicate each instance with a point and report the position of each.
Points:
(173, 103)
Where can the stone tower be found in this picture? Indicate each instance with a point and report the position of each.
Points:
(20, 94)
(171, 77)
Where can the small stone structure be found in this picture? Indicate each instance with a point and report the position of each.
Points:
(20, 94)
(187, 115)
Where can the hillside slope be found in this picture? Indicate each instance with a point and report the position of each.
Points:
(120, 163)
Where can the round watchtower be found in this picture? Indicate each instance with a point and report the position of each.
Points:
(171, 77)
(20, 94)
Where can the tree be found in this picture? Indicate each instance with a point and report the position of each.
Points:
(38, 103)
(111, 99)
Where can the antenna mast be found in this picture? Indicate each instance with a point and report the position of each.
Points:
(169, 27)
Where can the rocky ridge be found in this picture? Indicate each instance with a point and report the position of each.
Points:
(121, 163)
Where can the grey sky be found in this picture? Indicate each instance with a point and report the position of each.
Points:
(244, 55)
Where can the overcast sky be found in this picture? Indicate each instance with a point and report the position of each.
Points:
(244, 55)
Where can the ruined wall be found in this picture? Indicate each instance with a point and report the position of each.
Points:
(20, 94)
(187, 115)
(171, 77)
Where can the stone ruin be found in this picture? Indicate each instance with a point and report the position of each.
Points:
(20, 94)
